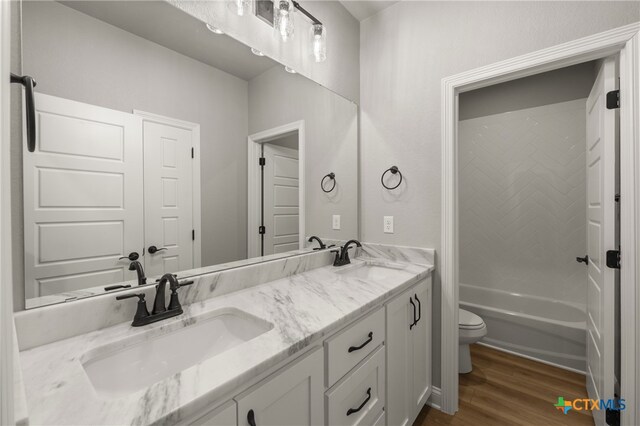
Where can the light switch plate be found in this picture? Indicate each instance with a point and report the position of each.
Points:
(388, 225)
(336, 222)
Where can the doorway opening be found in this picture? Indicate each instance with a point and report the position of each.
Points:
(538, 176)
(276, 190)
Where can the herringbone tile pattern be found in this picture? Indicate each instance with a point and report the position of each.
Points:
(523, 201)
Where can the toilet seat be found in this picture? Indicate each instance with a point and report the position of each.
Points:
(469, 321)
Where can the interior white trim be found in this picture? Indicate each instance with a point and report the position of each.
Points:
(253, 182)
(6, 282)
(623, 40)
(435, 399)
(197, 193)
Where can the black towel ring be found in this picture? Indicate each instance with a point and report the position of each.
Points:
(331, 176)
(394, 170)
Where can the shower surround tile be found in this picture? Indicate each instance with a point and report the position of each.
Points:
(523, 201)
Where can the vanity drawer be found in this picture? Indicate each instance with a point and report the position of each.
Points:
(360, 397)
(353, 345)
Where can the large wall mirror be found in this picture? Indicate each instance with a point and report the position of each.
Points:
(150, 134)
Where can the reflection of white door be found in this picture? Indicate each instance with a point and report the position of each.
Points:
(602, 150)
(82, 197)
(168, 198)
(281, 205)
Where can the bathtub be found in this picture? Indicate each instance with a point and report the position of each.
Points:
(538, 328)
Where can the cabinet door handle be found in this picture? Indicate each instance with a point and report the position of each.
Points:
(251, 418)
(419, 308)
(414, 313)
(350, 411)
(365, 343)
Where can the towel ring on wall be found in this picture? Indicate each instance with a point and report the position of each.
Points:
(394, 170)
(331, 176)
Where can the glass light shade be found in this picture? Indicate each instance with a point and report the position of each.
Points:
(239, 7)
(318, 39)
(283, 18)
(214, 29)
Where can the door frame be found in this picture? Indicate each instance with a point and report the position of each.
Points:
(197, 194)
(624, 41)
(7, 328)
(254, 143)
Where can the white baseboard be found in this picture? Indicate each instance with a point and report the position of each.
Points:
(435, 400)
(532, 358)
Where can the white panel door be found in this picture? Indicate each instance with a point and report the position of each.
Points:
(82, 197)
(168, 198)
(421, 348)
(602, 151)
(281, 199)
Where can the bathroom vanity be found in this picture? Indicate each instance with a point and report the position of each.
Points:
(321, 345)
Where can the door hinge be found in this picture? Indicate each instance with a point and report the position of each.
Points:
(262, 161)
(193, 153)
(617, 198)
(613, 99)
(193, 235)
(261, 230)
(613, 259)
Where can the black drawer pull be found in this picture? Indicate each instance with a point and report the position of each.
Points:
(251, 418)
(366, 342)
(414, 313)
(350, 411)
(419, 308)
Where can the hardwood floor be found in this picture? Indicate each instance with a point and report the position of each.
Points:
(505, 389)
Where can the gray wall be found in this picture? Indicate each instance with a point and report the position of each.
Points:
(340, 72)
(331, 139)
(78, 57)
(565, 84)
(406, 50)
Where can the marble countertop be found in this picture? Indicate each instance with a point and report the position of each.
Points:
(303, 309)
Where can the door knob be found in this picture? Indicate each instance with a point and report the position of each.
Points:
(154, 249)
(132, 256)
(584, 259)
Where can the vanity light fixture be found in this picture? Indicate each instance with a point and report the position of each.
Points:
(256, 52)
(283, 19)
(290, 70)
(283, 25)
(214, 29)
(239, 7)
(318, 36)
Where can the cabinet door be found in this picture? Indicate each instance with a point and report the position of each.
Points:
(399, 319)
(292, 396)
(421, 348)
(225, 415)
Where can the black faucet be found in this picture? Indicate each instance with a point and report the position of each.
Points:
(342, 256)
(322, 245)
(159, 312)
(136, 266)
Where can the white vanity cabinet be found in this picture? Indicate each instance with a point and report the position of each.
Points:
(292, 396)
(375, 371)
(408, 353)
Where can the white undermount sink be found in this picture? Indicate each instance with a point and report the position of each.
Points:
(135, 363)
(372, 270)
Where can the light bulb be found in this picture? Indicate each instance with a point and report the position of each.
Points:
(318, 38)
(283, 20)
(239, 7)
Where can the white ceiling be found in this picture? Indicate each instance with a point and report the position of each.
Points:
(363, 9)
(161, 23)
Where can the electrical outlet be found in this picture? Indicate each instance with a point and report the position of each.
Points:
(336, 222)
(388, 225)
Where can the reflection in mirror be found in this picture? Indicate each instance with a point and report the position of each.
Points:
(163, 147)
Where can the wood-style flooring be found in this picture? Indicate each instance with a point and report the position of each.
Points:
(504, 389)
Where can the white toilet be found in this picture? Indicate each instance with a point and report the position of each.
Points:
(471, 328)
